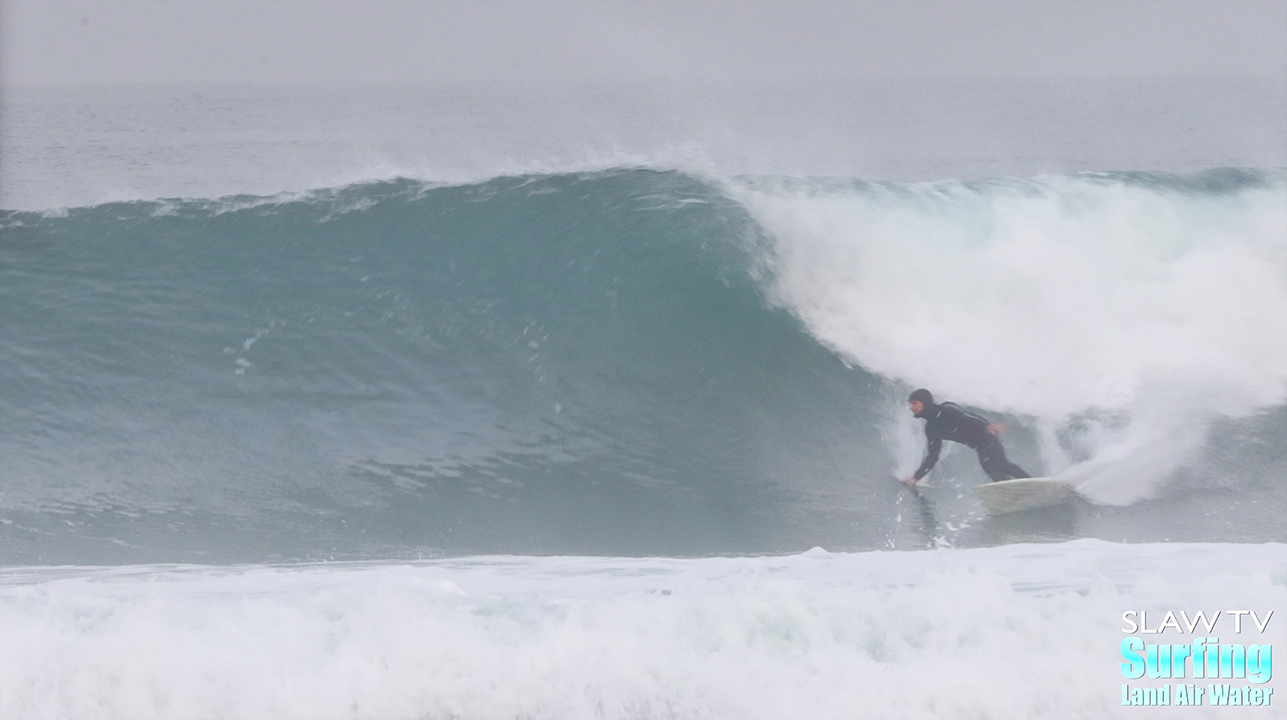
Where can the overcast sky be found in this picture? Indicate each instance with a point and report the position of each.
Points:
(95, 41)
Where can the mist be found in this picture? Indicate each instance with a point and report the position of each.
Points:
(44, 43)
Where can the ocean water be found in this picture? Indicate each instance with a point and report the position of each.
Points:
(542, 402)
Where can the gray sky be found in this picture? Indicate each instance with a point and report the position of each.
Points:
(79, 41)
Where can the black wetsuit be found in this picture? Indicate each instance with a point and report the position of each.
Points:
(949, 421)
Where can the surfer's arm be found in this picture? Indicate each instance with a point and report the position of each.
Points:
(931, 457)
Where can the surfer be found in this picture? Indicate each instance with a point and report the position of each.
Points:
(949, 421)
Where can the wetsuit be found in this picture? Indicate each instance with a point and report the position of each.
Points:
(949, 421)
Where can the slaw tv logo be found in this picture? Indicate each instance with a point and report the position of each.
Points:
(1203, 657)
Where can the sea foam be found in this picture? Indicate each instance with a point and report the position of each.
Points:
(1015, 631)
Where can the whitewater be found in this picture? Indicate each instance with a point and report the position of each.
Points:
(316, 409)
(877, 634)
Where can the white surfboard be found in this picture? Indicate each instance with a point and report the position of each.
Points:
(1010, 496)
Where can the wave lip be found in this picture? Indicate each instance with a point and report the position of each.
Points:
(1047, 296)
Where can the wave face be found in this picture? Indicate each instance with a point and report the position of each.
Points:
(631, 362)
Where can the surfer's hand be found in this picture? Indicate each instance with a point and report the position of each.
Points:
(909, 480)
(996, 428)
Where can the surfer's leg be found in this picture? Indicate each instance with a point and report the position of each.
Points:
(991, 467)
(996, 465)
(1015, 472)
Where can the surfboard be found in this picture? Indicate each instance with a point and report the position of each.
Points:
(1010, 496)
